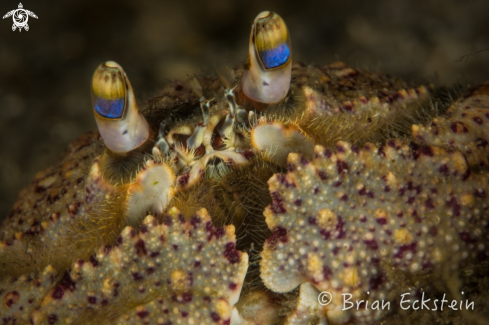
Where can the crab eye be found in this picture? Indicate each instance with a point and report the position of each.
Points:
(119, 121)
(270, 54)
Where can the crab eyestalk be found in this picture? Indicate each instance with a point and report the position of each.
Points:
(267, 79)
(121, 125)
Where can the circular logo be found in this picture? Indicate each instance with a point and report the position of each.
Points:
(20, 18)
(324, 298)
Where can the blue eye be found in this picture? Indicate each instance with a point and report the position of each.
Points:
(118, 119)
(267, 79)
(276, 57)
(109, 108)
(109, 91)
(271, 40)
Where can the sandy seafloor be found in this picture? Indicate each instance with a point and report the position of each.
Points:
(45, 72)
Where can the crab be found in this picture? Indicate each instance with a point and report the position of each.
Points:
(244, 196)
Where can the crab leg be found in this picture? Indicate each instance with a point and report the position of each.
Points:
(228, 125)
(198, 136)
(161, 146)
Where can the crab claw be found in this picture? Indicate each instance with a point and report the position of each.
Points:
(270, 60)
(119, 121)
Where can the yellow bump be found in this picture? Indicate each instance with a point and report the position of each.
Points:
(178, 279)
(403, 236)
(351, 277)
(467, 199)
(326, 218)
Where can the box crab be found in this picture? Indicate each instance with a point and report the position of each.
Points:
(237, 198)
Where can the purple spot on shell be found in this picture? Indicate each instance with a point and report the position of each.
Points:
(327, 273)
(372, 244)
(215, 317)
(67, 282)
(311, 220)
(233, 286)
(355, 149)
(452, 203)
(344, 198)
(480, 193)
(402, 191)
(183, 180)
(278, 233)
(341, 166)
(220, 232)
(118, 241)
(340, 227)
(181, 218)
(404, 248)
(480, 142)
(132, 233)
(391, 143)
(327, 153)
(143, 229)
(429, 203)
(52, 319)
(304, 161)
(154, 254)
(248, 154)
(137, 276)
(444, 170)
(142, 313)
(57, 293)
(298, 202)
(283, 180)
(140, 247)
(150, 270)
(466, 237)
(458, 127)
(411, 200)
(337, 183)
(325, 234)
(231, 254)
(477, 120)
(340, 148)
(93, 260)
(276, 205)
(92, 300)
(197, 264)
(194, 220)
(167, 221)
(207, 299)
(187, 297)
(381, 152)
(427, 151)
(381, 221)
(291, 167)
(335, 250)
(376, 281)
(322, 175)
(363, 218)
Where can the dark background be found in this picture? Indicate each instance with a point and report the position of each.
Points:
(45, 72)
